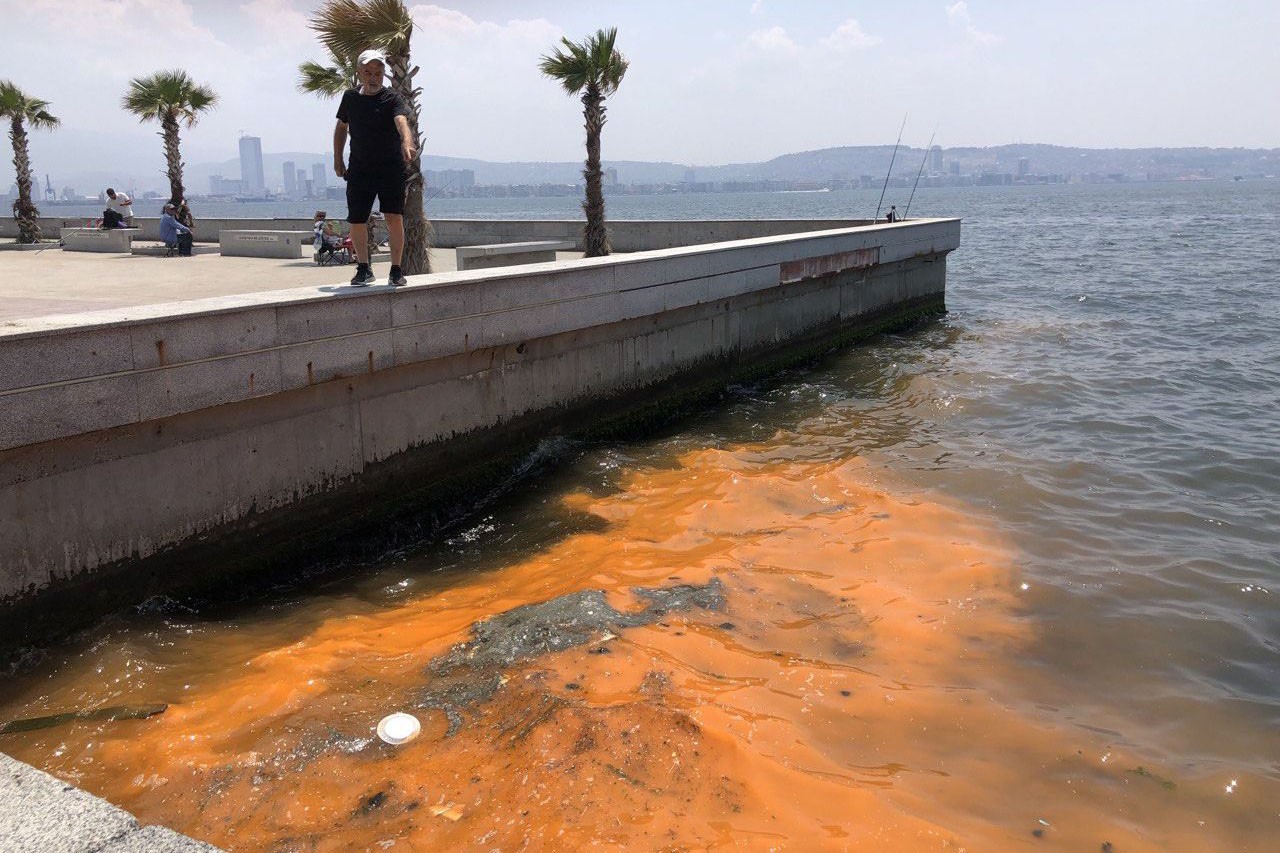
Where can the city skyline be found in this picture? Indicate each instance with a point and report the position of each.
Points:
(717, 82)
(835, 168)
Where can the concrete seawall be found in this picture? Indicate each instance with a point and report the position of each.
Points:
(135, 444)
(626, 235)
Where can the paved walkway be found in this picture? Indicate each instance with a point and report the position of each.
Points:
(36, 284)
(44, 283)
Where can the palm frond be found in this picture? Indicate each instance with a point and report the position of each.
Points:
(594, 61)
(327, 81)
(168, 93)
(347, 27)
(317, 79)
(14, 103)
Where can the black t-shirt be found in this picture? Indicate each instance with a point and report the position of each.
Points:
(371, 121)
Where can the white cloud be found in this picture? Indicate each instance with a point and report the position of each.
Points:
(278, 19)
(850, 36)
(958, 13)
(480, 81)
(757, 8)
(434, 23)
(772, 40)
(130, 21)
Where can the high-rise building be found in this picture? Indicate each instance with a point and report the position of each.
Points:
(290, 179)
(1024, 167)
(301, 181)
(251, 177)
(935, 159)
(318, 178)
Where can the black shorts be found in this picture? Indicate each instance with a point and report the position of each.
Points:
(363, 188)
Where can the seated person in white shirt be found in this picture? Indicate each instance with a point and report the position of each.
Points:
(119, 212)
(323, 233)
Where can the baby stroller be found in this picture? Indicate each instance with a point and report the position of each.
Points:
(329, 254)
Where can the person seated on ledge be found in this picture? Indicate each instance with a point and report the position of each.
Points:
(119, 212)
(183, 214)
(892, 215)
(322, 229)
(173, 232)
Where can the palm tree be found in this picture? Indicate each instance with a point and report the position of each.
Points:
(345, 28)
(169, 97)
(595, 68)
(22, 110)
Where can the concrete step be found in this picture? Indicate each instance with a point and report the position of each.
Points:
(159, 249)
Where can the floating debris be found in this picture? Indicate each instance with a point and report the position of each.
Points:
(112, 714)
(1164, 783)
(472, 672)
(448, 810)
(398, 728)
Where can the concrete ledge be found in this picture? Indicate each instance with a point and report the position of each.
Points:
(42, 814)
(510, 254)
(169, 359)
(265, 244)
(116, 240)
(626, 235)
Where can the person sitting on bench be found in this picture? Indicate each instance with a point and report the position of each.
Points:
(173, 232)
(119, 212)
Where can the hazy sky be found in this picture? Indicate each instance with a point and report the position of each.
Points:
(711, 81)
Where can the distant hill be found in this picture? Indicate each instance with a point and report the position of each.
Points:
(850, 162)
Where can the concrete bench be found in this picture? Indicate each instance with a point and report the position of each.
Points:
(116, 240)
(509, 254)
(161, 250)
(265, 244)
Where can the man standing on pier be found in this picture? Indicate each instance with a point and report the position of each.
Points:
(381, 145)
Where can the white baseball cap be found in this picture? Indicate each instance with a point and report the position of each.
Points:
(372, 55)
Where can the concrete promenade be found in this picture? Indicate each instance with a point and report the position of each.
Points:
(56, 282)
(160, 445)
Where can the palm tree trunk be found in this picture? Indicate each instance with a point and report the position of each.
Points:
(595, 236)
(417, 228)
(173, 156)
(24, 211)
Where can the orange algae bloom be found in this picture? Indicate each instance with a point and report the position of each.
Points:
(846, 694)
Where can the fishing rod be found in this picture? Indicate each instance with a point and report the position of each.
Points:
(439, 189)
(58, 242)
(923, 160)
(890, 172)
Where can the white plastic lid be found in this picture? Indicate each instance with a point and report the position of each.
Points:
(398, 728)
